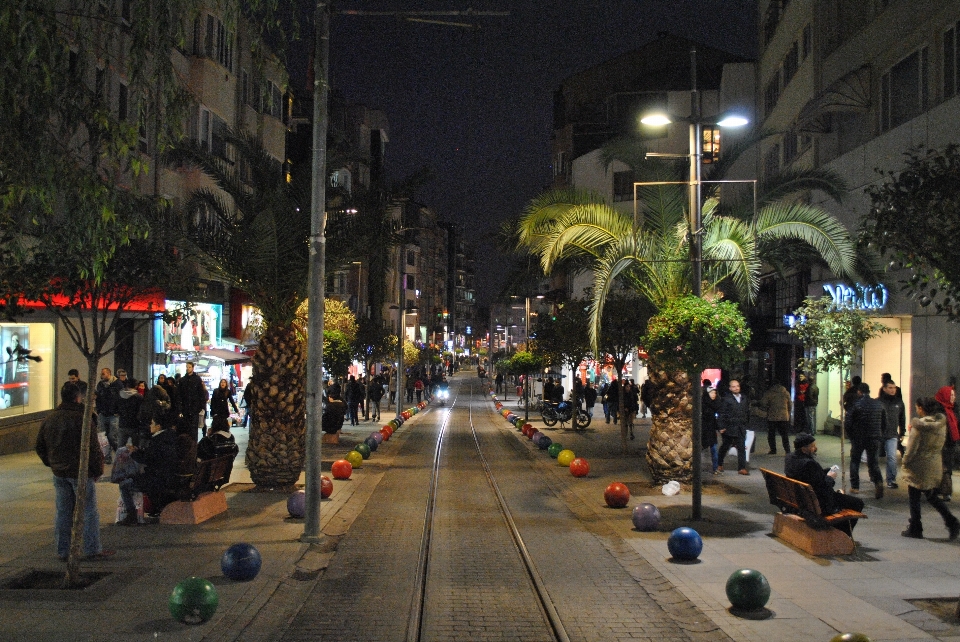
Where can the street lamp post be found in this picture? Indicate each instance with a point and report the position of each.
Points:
(695, 223)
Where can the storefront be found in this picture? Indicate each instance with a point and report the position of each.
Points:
(28, 378)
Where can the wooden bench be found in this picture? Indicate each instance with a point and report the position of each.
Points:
(802, 523)
(200, 495)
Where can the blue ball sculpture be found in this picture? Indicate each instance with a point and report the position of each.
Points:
(544, 442)
(748, 589)
(372, 444)
(296, 504)
(685, 544)
(241, 562)
(646, 517)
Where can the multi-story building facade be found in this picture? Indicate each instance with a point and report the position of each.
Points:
(227, 87)
(850, 86)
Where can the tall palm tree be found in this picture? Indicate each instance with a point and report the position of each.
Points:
(252, 230)
(651, 257)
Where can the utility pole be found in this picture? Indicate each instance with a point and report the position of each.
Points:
(318, 223)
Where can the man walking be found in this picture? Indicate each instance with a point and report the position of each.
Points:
(894, 427)
(733, 417)
(58, 446)
(776, 402)
(193, 404)
(865, 428)
(108, 408)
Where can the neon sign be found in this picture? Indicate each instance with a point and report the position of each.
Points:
(858, 297)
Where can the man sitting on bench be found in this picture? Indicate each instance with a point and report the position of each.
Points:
(802, 465)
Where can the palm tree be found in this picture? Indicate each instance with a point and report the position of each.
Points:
(252, 231)
(651, 257)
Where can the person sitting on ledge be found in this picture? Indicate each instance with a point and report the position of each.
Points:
(803, 466)
(218, 442)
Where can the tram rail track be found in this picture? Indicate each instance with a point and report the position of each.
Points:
(535, 589)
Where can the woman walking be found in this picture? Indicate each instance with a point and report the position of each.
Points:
(708, 426)
(222, 400)
(923, 467)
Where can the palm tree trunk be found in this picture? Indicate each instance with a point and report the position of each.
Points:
(670, 449)
(275, 453)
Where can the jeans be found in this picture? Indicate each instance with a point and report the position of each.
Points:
(812, 419)
(857, 446)
(110, 424)
(127, 489)
(66, 493)
(915, 495)
(714, 458)
(890, 446)
(375, 409)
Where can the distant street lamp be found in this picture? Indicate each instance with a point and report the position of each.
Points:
(696, 121)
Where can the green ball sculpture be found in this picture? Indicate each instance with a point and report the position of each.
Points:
(850, 637)
(363, 449)
(748, 590)
(554, 449)
(194, 600)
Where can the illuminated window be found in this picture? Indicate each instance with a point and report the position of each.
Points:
(711, 144)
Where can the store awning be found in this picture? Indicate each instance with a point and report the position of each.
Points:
(229, 356)
(849, 93)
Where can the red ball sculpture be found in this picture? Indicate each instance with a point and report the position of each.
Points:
(616, 495)
(326, 487)
(341, 469)
(579, 467)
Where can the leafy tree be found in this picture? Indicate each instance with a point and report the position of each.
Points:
(561, 340)
(838, 333)
(624, 323)
(651, 255)
(337, 353)
(914, 215)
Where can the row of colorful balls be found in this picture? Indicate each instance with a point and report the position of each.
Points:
(342, 469)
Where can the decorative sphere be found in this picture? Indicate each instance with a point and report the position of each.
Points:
(564, 457)
(371, 443)
(579, 467)
(326, 487)
(385, 432)
(685, 543)
(354, 458)
(535, 436)
(343, 468)
(646, 517)
(554, 449)
(544, 442)
(850, 637)
(363, 449)
(377, 436)
(193, 600)
(617, 495)
(525, 426)
(241, 562)
(296, 504)
(748, 589)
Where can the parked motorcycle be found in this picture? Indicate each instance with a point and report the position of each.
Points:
(551, 413)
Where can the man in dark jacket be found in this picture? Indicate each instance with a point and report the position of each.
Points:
(864, 427)
(733, 417)
(802, 465)
(646, 398)
(158, 479)
(894, 427)
(108, 405)
(58, 446)
(193, 396)
(128, 410)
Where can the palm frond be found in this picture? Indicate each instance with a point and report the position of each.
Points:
(730, 252)
(810, 225)
(792, 182)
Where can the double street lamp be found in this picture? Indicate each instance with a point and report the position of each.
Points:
(695, 156)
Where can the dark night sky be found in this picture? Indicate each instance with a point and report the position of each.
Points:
(476, 105)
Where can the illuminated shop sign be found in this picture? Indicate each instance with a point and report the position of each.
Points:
(858, 297)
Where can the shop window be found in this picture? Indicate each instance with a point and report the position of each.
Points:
(951, 62)
(27, 378)
(903, 90)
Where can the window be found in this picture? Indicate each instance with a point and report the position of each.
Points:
(218, 138)
(772, 93)
(791, 63)
(903, 90)
(410, 282)
(212, 40)
(411, 258)
(951, 62)
(201, 127)
(623, 186)
(807, 48)
(28, 385)
(711, 145)
(123, 106)
(274, 102)
(790, 147)
(771, 162)
(245, 98)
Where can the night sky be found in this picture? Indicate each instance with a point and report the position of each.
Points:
(476, 105)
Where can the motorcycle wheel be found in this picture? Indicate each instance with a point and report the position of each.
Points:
(583, 419)
(550, 417)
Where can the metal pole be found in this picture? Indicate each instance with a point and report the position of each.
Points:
(402, 301)
(318, 222)
(696, 256)
(526, 377)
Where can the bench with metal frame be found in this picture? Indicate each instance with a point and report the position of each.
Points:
(200, 494)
